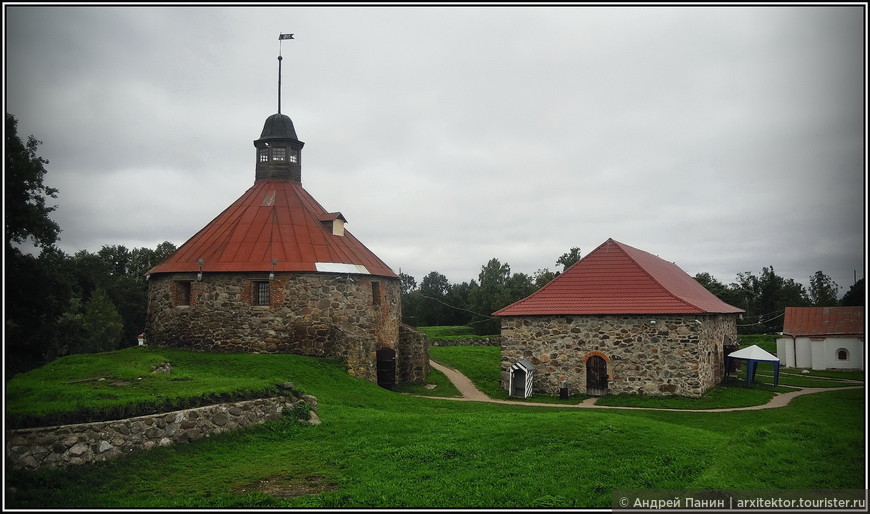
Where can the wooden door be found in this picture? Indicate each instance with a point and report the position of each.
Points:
(596, 376)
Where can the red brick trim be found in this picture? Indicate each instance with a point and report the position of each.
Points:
(599, 354)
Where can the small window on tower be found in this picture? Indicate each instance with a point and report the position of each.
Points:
(294, 157)
(279, 154)
(376, 293)
(182, 293)
(261, 293)
(264, 154)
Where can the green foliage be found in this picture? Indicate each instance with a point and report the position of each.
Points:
(854, 297)
(569, 258)
(53, 311)
(26, 215)
(823, 290)
(101, 323)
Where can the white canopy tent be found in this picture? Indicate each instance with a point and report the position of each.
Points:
(753, 355)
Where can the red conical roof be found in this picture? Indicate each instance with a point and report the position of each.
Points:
(274, 219)
(618, 279)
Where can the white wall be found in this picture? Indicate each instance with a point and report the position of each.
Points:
(853, 346)
(820, 354)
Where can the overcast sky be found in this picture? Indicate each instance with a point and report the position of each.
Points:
(724, 139)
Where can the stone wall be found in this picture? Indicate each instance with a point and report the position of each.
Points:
(51, 447)
(348, 317)
(413, 355)
(654, 354)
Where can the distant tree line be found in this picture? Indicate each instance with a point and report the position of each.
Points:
(58, 304)
(438, 302)
(764, 297)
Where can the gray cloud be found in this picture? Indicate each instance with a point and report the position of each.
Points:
(722, 138)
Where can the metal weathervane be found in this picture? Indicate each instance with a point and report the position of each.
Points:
(281, 38)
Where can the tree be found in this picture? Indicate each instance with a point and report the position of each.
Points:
(569, 259)
(543, 277)
(36, 292)
(855, 295)
(143, 259)
(25, 211)
(823, 290)
(491, 295)
(117, 259)
(727, 294)
(433, 308)
(764, 298)
(407, 283)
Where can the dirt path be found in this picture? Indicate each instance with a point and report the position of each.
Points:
(470, 393)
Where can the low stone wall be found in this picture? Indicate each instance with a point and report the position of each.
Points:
(59, 446)
(471, 341)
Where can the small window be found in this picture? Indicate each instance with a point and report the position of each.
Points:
(261, 293)
(294, 157)
(279, 154)
(842, 354)
(376, 293)
(182, 293)
(264, 155)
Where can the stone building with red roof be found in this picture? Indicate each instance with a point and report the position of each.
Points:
(276, 272)
(822, 338)
(620, 320)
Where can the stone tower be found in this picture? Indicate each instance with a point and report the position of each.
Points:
(275, 272)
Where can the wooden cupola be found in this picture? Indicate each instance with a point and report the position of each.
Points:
(279, 151)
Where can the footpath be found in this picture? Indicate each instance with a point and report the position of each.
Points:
(470, 393)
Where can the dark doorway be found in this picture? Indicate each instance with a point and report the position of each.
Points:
(596, 376)
(519, 383)
(387, 368)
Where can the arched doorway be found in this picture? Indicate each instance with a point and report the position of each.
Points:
(596, 376)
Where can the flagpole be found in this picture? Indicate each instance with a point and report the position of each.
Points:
(281, 38)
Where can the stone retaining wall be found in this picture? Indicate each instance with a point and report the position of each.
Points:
(59, 446)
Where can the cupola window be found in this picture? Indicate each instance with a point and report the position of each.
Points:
(279, 154)
(294, 157)
(264, 155)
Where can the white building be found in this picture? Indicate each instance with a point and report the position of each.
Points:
(822, 338)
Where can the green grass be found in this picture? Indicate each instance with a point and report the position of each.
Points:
(725, 396)
(447, 333)
(444, 388)
(827, 373)
(766, 342)
(125, 377)
(379, 449)
(481, 364)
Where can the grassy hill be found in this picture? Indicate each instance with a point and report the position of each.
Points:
(381, 449)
